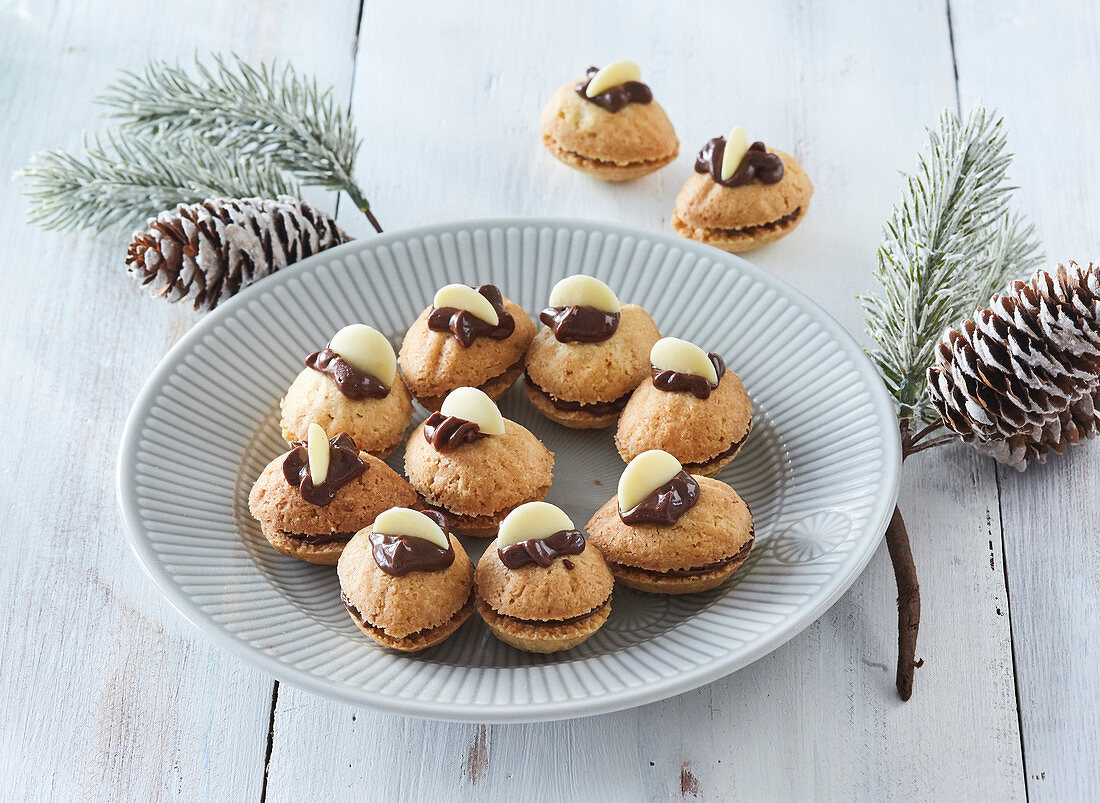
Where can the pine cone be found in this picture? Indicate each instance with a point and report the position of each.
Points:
(207, 252)
(1023, 378)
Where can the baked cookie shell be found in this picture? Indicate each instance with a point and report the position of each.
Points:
(280, 508)
(484, 477)
(595, 372)
(630, 143)
(376, 425)
(435, 363)
(717, 527)
(402, 606)
(692, 430)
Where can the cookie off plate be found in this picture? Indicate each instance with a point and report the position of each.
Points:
(820, 471)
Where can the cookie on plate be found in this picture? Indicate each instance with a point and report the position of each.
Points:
(691, 406)
(469, 337)
(540, 585)
(608, 125)
(593, 352)
(670, 532)
(741, 196)
(473, 465)
(405, 581)
(351, 386)
(311, 500)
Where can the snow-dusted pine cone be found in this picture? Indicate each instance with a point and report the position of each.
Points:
(207, 252)
(1023, 377)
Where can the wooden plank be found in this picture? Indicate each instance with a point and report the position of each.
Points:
(1047, 93)
(109, 694)
(449, 99)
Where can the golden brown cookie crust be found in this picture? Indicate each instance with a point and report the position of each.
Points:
(630, 143)
(279, 506)
(745, 217)
(481, 478)
(402, 606)
(574, 419)
(652, 584)
(423, 639)
(717, 527)
(323, 554)
(544, 593)
(542, 639)
(690, 429)
(435, 363)
(494, 388)
(376, 425)
(595, 372)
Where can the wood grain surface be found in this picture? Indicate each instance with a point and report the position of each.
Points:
(110, 695)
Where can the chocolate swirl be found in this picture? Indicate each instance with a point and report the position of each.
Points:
(616, 97)
(445, 432)
(578, 324)
(542, 551)
(397, 555)
(353, 383)
(665, 505)
(757, 163)
(467, 327)
(344, 467)
(700, 386)
(595, 408)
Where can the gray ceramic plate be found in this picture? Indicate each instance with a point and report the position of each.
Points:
(820, 471)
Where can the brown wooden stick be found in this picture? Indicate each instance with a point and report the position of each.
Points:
(905, 575)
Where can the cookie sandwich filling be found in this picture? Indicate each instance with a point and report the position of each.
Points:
(594, 409)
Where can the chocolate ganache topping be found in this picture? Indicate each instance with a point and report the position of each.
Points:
(397, 555)
(445, 432)
(700, 386)
(543, 551)
(467, 327)
(353, 383)
(757, 163)
(665, 505)
(577, 324)
(344, 467)
(616, 97)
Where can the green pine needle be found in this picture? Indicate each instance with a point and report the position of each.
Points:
(268, 111)
(950, 243)
(122, 180)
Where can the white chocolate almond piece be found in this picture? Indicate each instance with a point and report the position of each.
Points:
(737, 145)
(584, 291)
(614, 74)
(461, 296)
(471, 404)
(645, 474)
(403, 521)
(533, 520)
(317, 449)
(367, 349)
(674, 354)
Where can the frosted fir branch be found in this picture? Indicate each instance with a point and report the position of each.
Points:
(268, 111)
(123, 179)
(948, 241)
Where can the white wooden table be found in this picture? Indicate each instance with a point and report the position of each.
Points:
(109, 694)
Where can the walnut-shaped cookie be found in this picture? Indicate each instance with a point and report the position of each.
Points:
(741, 196)
(405, 581)
(312, 500)
(670, 532)
(608, 125)
(541, 586)
(468, 337)
(475, 466)
(352, 386)
(691, 406)
(592, 353)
